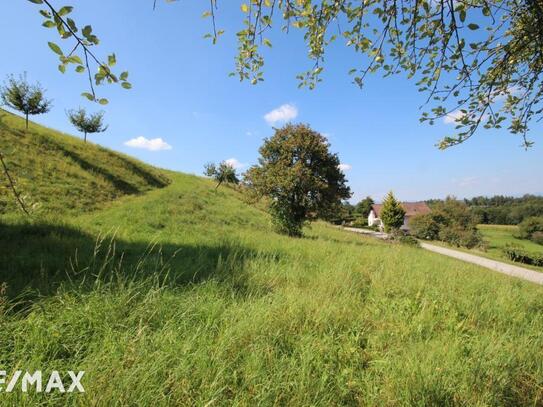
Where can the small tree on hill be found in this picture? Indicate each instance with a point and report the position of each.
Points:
(392, 213)
(28, 99)
(87, 124)
(300, 176)
(223, 172)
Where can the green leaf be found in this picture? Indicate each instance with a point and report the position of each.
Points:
(62, 68)
(245, 8)
(267, 42)
(88, 96)
(80, 69)
(111, 60)
(126, 85)
(87, 30)
(462, 15)
(56, 49)
(48, 24)
(124, 76)
(36, 1)
(473, 26)
(103, 101)
(65, 10)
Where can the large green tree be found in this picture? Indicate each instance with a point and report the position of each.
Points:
(478, 61)
(300, 176)
(392, 213)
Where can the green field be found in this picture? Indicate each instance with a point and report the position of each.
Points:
(184, 295)
(499, 236)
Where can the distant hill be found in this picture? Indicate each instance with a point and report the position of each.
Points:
(58, 173)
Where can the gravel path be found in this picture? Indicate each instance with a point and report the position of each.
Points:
(504, 268)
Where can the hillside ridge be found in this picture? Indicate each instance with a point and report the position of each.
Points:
(59, 173)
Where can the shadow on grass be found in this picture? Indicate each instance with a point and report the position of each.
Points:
(37, 259)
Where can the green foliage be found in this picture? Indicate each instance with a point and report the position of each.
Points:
(424, 227)
(519, 255)
(505, 210)
(532, 229)
(87, 124)
(407, 240)
(392, 213)
(59, 174)
(223, 172)
(450, 221)
(484, 75)
(81, 54)
(28, 99)
(300, 176)
(360, 222)
(363, 207)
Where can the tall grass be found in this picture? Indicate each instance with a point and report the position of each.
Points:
(185, 296)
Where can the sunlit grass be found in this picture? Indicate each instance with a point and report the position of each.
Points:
(185, 296)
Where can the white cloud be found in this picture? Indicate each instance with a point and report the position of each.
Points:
(345, 167)
(453, 117)
(155, 144)
(234, 163)
(283, 113)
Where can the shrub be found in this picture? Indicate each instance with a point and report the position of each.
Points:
(360, 223)
(408, 240)
(460, 237)
(531, 228)
(424, 227)
(516, 254)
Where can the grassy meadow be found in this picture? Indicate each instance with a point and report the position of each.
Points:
(496, 238)
(184, 295)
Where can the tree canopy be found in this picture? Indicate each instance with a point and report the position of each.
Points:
(223, 172)
(478, 61)
(87, 123)
(27, 98)
(300, 176)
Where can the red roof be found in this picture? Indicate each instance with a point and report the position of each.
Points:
(410, 208)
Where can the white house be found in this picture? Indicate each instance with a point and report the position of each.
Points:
(410, 208)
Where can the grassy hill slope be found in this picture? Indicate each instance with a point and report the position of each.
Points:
(58, 173)
(185, 296)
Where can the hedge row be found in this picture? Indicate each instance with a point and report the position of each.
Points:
(522, 256)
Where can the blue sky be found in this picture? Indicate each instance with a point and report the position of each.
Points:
(182, 94)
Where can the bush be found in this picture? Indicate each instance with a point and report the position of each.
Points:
(360, 223)
(537, 237)
(408, 240)
(515, 253)
(424, 227)
(531, 228)
(460, 237)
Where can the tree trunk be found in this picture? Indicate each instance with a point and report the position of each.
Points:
(85, 138)
(26, 120)
(218, 185)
